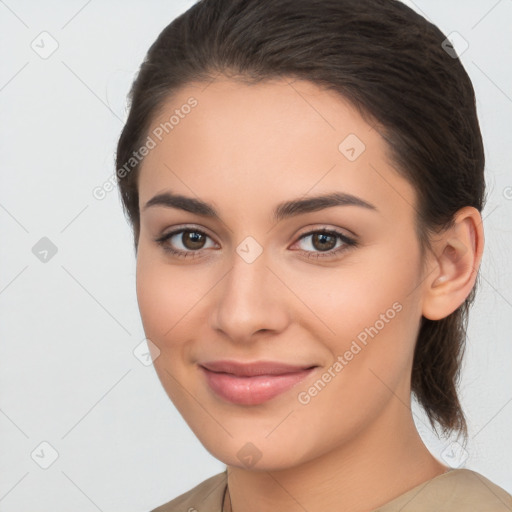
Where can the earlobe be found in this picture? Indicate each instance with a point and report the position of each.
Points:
(457, 256)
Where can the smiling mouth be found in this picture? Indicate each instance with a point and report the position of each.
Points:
(253, 383)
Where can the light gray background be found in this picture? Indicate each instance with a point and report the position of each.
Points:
(69, 326)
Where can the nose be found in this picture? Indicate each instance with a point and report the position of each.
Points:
(250, 299)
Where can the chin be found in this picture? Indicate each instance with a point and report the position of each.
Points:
(254, 451)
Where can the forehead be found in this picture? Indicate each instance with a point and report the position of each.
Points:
(265, 140)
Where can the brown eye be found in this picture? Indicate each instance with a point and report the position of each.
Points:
(323, 241)
(184, 242)
(193, 240)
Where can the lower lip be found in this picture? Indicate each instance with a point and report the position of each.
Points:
(252, 390)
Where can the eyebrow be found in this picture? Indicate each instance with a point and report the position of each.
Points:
(282, 211)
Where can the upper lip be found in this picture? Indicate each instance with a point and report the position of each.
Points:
(252, 369)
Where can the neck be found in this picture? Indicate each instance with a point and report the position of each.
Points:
(381, 463)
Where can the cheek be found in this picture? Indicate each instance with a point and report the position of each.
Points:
(165, 296)
(169, 297)
(157, 297)
(374, 319)
(367, 290)
(372, 315)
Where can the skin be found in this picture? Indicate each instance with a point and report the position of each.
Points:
(244, 149)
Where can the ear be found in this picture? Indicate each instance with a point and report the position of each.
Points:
(455, 260)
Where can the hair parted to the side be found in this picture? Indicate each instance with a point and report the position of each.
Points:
(388, 62)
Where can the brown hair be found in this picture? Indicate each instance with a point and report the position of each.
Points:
(387, 61)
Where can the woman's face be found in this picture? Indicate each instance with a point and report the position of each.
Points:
(259, 282)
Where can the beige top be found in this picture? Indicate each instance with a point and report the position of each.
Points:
(458, 490)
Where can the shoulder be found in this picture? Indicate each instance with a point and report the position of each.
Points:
(458, 490)
(473, 491)
(206, 497)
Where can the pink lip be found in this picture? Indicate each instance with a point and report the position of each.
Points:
(253, 383)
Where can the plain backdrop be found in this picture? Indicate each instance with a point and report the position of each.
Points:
(84, 424)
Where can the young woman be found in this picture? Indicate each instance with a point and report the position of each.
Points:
(305, 181)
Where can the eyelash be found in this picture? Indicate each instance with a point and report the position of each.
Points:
(347, 241)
